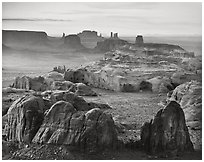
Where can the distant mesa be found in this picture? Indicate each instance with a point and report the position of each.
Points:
(139, 40)
(85, 41)
(39, 41)
(15, 36)
(113, 43)
(88, 33)
(90, 38)
(114, 35)
(73, 41)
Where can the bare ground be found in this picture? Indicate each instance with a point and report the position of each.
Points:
(131, 110)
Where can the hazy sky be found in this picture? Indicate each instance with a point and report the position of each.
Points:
(128, 19)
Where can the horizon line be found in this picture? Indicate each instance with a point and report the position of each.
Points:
(107, 35)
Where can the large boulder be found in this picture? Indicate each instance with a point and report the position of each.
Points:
(181, 77)
(64, 125)
(167, 133)
(54, 76)
(189, 95)
(24, 118)
(22, 83)
(38, 84)
(79, 103)
(25, 82)
(84, 90)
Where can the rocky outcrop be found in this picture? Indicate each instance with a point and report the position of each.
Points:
(84, 90)
(24, 119)
(64, 125)
(62, 85)
(22, 82)
(53, 81)
(166, 49)
(60, 69)
(189, 96)
(77, 101)
(54, 76)
(167, 133)
(121, 79)
(40, 83)
(160, 84)
(25, 82)
(181, 77)
(192, 64)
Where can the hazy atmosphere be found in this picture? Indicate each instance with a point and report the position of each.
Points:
(125, 18)
(101, 81)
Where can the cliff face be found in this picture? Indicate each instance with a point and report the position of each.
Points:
(14, 37)
(90, 38)
(39, 41)
(73, 41)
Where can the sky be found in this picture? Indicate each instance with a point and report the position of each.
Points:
(128, 19)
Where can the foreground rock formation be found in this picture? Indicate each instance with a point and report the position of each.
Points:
(69, 121)
(24, 119)
(189, 96)
(88, 130)
(167, 133)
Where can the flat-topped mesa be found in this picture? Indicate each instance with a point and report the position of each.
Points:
(88, 33)
(139, 40)
(23, 37)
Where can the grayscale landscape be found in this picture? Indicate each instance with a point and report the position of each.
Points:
(101, 81)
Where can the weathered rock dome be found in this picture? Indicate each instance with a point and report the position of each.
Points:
(64, 125)
(24, 118)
